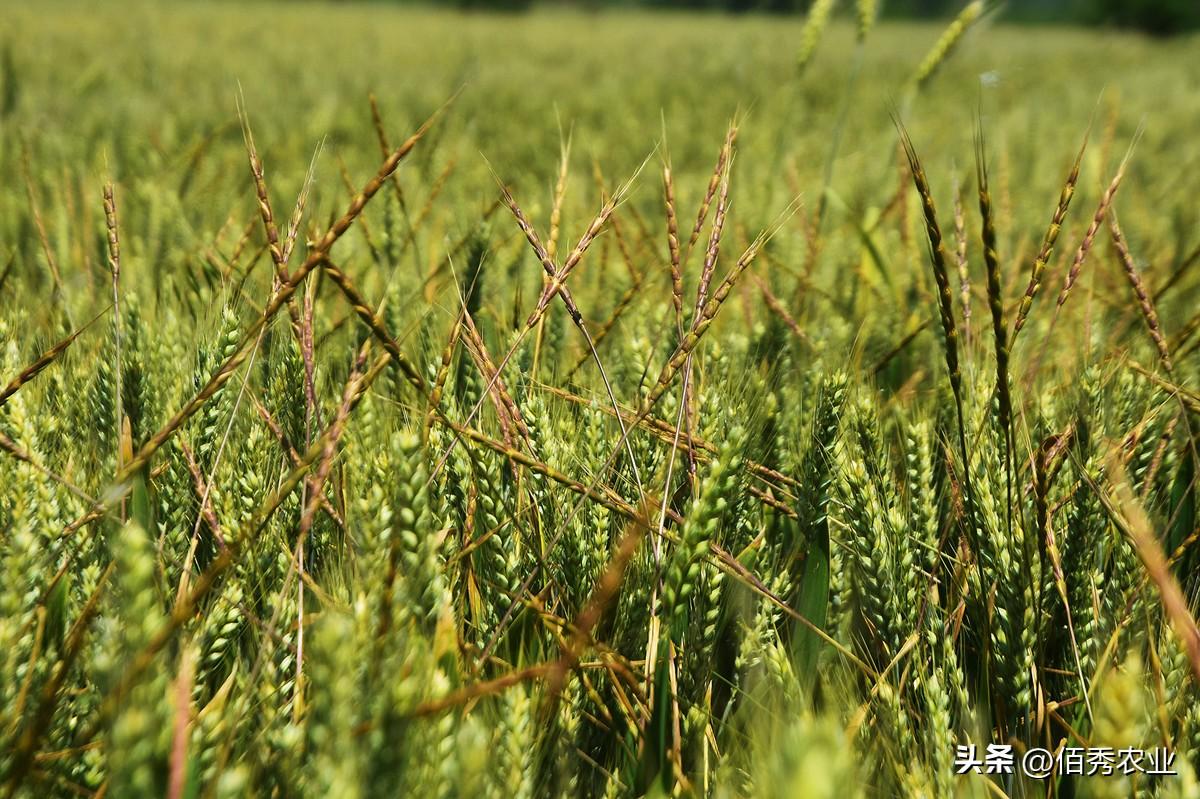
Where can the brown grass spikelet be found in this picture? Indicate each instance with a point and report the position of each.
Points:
(1044, 252)
(265, 212)
(373, 322)
(995, 290)
(707, 314)
(714, 182)
(506, 407)
(713, 250)
(673, 248)
(316, 256)
(939, 258)
(1145, 302)
(110, 227)
(293, 228)
(1089, 237)
(593, 230)
(44, 360)
(543, 254)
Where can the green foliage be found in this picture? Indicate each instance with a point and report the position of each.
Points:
(398, 539)
(1153, 16)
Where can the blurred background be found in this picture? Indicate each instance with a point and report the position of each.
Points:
(1158, 17)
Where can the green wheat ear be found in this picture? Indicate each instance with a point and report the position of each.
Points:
(268, 526)
(805, 562)
(414, 536)
(138, 736)
(948, 42)
(701, 526)
(337, 768)
(814, 26)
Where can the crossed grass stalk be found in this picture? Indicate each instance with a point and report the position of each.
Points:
(694, 544)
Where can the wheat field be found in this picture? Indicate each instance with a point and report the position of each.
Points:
(401, 402)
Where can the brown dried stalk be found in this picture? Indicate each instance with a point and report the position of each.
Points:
(556, 286)
(316, 481)
(543, 255)
(363, 309)
(202, 489)
(506, 407)
(593, 230)
(384, 149)
(292, 456)
(665, 432)
(623, 303)
(776, 306)
(615, 223)
(265, 213)
(363, 224)
(48, 357)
